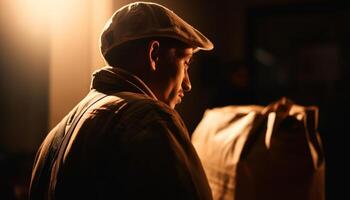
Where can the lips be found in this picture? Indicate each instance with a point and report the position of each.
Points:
(181, 95)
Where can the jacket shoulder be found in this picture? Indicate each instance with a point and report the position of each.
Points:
(139, 105)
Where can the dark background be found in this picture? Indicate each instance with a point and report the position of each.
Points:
(264, 50)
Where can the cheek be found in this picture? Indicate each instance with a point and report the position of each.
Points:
(173, 85)
(172, 75)
(178, 77)
(176, 85)
(175, 74)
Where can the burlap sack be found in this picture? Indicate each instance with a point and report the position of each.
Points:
(255, 152)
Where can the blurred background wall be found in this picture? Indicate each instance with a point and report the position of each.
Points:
(263, 50)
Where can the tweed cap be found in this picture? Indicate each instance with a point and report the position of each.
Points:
(145, 19)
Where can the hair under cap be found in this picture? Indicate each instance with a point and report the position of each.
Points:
(145, 19)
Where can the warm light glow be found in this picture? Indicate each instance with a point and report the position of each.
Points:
(33, 10)
(35, 17)
(42, 8)
(75, 29)
(70, 29)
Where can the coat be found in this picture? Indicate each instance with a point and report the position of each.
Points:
(126, 145)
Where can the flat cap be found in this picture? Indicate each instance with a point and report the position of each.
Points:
(145, 19)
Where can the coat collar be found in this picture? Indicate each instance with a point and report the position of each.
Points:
(118, 80)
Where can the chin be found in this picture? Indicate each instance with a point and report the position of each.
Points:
(172, 104)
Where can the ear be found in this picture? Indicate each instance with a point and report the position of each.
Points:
(153, 54)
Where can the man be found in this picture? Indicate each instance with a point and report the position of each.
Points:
(124, 140)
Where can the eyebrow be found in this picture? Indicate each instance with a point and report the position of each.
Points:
(190, 54)
(184, 54)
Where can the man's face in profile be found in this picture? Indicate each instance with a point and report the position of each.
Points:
(174, 80)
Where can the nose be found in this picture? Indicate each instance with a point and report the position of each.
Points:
(186, 83)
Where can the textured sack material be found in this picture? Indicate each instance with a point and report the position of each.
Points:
(255, 152)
